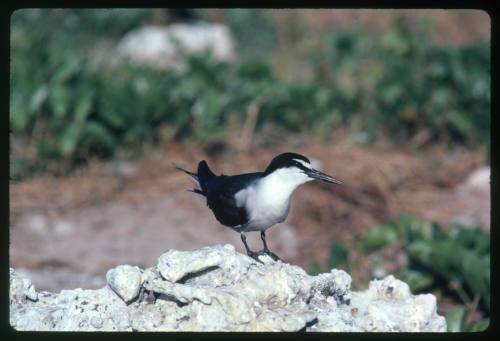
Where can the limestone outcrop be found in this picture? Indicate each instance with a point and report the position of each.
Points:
(218, 289)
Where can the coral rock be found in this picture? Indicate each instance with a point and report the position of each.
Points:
(217, 289)
(125, 280)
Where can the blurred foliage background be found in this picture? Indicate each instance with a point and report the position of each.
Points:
(71, 100)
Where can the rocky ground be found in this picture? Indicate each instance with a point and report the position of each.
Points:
(218, 289)
(66, 232)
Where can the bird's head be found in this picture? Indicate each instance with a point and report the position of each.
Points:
(297, 168)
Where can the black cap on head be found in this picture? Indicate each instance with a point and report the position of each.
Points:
(286, 160)
(296, 160)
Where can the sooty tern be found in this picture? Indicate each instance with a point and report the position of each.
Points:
(255, 201)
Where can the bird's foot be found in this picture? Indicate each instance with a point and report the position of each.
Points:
(255, 255)
(270, 254)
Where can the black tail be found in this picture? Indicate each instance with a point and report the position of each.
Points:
(191, 174)
(203, 177)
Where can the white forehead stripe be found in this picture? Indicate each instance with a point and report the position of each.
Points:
(305, 164)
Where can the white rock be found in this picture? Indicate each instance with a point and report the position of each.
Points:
(63, 227)
(473, 199)
(160, 46)
(388, 305)
(480, 178)
(125, 280)
(174, 265)
(217, 289)
(38, 223)
(336, 283)
(21, 288)
(389, 288)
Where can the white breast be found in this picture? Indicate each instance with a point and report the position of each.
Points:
(267, 201)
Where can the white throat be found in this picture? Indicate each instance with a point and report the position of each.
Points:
(267, 201)
(282, 182)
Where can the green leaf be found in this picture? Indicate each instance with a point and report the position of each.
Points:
(59, 99)
(38, 98)
(377, 238)
(83, 108)
(96, 136)
(479, 326)
(71, 65)
(460, 121)
(48, 150)
(451, 260)
(417, 280)
(70, 139)
(455, 319)
(19, 116)
(339, 256)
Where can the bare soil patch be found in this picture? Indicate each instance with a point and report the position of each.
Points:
(112, 213)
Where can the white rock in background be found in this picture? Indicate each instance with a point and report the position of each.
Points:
(38, 223)
(158, 46)
(223, 290)
(21, 288)
(474, 199)
(125, 280)
(63, 227)
(479, 178)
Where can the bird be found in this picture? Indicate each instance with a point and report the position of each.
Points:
(255, 201)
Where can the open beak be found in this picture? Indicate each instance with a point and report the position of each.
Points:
(316, 174)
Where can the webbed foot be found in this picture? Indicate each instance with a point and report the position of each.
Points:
(255, 255)
(271, 254)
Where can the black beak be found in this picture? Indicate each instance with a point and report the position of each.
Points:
(316, 174)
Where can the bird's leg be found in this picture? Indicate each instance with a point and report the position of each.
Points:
(254, 255)
(263, 237)
(244, 240)
(266, 249)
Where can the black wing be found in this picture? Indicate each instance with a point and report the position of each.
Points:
(220, 198)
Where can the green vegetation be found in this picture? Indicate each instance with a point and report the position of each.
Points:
(455, 263)
(68, 102)
(402, 84)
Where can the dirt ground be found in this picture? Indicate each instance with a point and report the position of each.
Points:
(66, 232)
